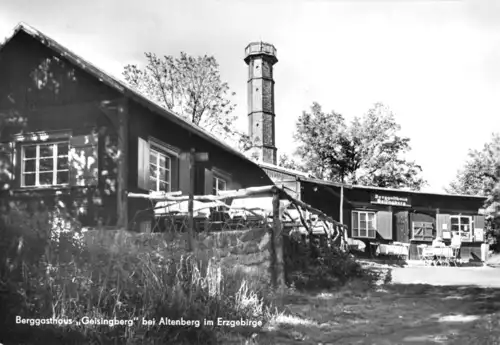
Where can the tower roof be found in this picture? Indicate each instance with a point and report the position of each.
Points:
(259, 49)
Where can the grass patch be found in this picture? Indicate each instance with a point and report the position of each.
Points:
(55, 275)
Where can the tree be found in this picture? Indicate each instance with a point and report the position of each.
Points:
(366, 151)
(287, 162)
(191, 87)
(481, 176)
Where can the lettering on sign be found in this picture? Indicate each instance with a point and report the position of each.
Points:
(390, 200)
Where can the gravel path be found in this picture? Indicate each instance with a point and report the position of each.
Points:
(423, 305)
(455, 276)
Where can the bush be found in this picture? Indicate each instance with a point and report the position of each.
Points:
(48, 271)
(317, 265)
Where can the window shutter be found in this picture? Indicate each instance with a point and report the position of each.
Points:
(209, 182)
(442, 224)
(384, 224)
(83, 160)
(479, 228)
(174, 166)
(143, 165)
(354, 224)
(7, 168)
(184, 176)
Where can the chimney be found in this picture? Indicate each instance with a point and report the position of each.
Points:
(260, 58)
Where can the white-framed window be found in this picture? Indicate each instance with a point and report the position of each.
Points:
(461, 226)
(160, 169)
(45, 164)
(218, 185)
(364, 224)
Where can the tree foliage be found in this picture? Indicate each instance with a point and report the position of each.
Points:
(480, 175)
(288, 162)
(366, 151)
(191, 87)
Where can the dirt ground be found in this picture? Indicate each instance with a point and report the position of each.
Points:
(423, 305)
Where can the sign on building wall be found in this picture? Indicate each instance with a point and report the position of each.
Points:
(478, 235)
(390, 200)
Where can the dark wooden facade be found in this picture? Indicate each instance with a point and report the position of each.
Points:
(105, 132)
(398, 216)
(401, 216)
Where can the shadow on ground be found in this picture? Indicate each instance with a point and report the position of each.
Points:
(393, 314)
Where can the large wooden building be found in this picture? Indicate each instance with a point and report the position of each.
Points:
(87, 136)
(383, 215)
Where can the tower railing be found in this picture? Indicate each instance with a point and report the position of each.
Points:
(260, 47)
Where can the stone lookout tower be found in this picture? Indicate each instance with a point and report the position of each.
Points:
(260, 58)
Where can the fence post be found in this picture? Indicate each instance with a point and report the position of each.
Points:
(277, 260)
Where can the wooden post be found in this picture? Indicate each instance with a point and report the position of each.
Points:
(277, 260)
(341, 204)
(192, 173)
(122, 176)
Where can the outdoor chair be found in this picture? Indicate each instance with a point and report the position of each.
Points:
(426, 254)
(455, 245)
(235, 223)
(217, 220)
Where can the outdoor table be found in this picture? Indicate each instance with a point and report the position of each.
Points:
(440, 255)
(395, 249)
(177, 216)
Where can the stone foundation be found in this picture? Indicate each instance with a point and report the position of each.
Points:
(247, 251)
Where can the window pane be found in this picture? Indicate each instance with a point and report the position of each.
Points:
(362, 224)
(363, 233)
(62, 177)
(454, 220)
(29, 151)
(46, 150)
(355, 218)
(152, 184)
(371, 224)
(30, 165)
(371, 216)
(465, 220)
(164, 162)
(29, 179)
(362, 216)
(46, 178)
(162, 174)
(164, 186)
(454, 227)
(222, 185)
(62, 149)
(153, 156)
(153, 170)
(46, 164)
(62, 163)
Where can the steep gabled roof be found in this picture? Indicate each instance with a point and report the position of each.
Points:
(120, 86)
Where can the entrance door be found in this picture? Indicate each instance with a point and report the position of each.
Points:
(402, 228)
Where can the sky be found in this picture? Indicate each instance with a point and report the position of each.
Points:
(436, 64)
